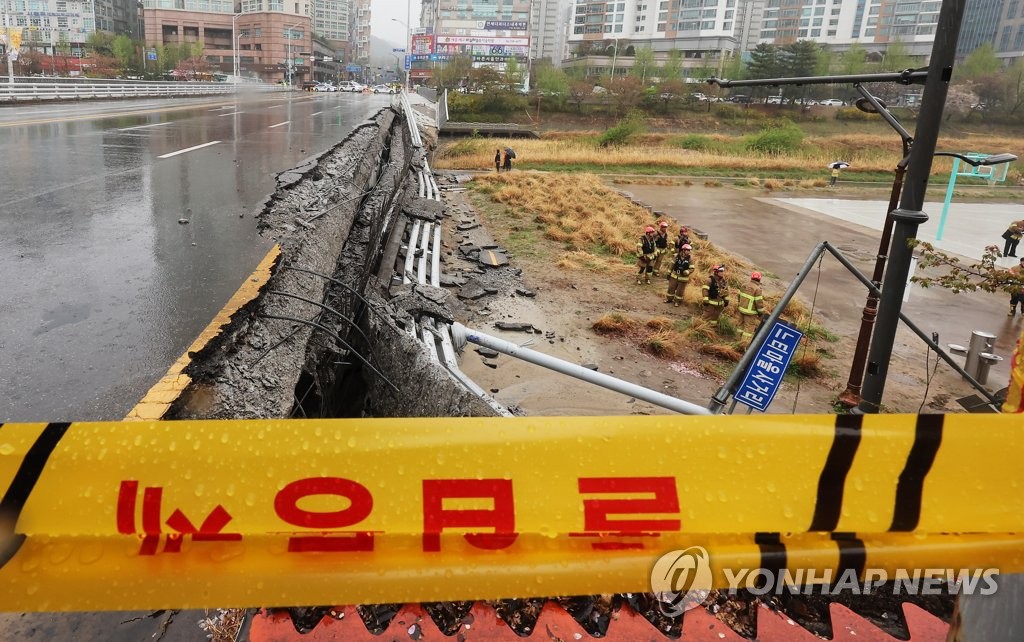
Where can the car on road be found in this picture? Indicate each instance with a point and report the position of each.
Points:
(741, 99)
(774, 100)
(832, 102)
(349, 85)
(325, 86)
(384, 89)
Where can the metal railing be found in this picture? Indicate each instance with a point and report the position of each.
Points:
(28, 89)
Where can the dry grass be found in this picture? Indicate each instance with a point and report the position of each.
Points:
(865, 152)
(223, 625)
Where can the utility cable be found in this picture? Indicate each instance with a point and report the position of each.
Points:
(807, 331)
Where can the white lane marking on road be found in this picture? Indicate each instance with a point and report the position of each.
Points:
(44, 111)
(275, 106)
(128, 129)
(234, 113)
(339, 106)
(189, 149)
(316, 113)
(279, 124)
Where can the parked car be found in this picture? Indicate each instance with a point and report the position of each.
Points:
(347, 85)
(384, 89)
(740, 99)
(774, 100)
(832, 102)
(325, 86)
(698, 96)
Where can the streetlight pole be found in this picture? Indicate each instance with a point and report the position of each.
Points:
(408, 46)
(7, 45)
(234, 48)
(288, 69)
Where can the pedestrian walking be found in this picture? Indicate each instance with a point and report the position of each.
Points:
(509, 155)
(715, 292)
(1012, 237)
(661, 243)
(836, 166)
(645, 250)
(1017, 294)
(497, 160)
(679, 276)
(751, 304)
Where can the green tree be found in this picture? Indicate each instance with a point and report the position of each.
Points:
(981, 62)
(764, 62)
(854, 60)
(124, 51)
(513, 74)
(673, 67)
(1015, 87)
(454, 72)
(734, 68)
(100, 43)
(897, 58)
(643, 64)
(799, 58)
(550, 80)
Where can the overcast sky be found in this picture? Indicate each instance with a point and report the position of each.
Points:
(381, 14)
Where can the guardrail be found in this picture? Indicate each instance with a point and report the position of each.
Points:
(27, 89)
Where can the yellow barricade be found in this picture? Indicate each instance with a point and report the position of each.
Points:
(116, 516)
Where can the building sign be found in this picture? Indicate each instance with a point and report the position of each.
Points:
(422, 45)
(355, 69)
(476, 40)
(506, 25)
(764, 376)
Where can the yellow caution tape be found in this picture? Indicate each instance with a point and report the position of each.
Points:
(192, 514)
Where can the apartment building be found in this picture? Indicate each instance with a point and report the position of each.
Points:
(1009, 36)
(48, 24)
(547, 30)
(359, 34)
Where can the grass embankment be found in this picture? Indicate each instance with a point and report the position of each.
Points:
(577, 223)
(872, 156)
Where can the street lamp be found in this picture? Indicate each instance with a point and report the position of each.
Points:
(974, 160)
(408, 40)
(288, 69)
(234, 48)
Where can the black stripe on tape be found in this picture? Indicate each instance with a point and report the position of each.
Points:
(909, 490)
(833, 475)
(773, 557)
(852, 554)
(21, 487)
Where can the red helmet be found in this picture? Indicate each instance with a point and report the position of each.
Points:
(649, 229)
(686, 246)
(719, 268)
(663, 224)
(756, 276)
(684, 230)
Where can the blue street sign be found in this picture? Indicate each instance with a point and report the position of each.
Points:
(764, 376)
(408, 62)
(151, 54)
(353, 68)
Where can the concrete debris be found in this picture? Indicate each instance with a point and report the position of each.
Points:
(490, 363)
(486, 352)
(465, 227)
(448, 280)
(424, 209)
(527, 293)
(514, 326)
(492, 258)
(419, 300)
(472, 291)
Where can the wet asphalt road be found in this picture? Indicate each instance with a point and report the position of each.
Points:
(102, 288)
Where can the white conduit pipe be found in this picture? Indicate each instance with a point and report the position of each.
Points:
(410, 251)
(462, 334)
(435, 259)
(423, 183)
(421, 273)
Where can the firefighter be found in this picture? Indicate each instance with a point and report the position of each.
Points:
(683, 238)
(679, 276)
(645, 251)
(1017, 296)
(661, 243)
(715, 294)
(751, 304)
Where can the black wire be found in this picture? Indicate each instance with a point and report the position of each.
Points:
(927, 378)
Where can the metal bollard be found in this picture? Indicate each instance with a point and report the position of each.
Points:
(986, 360)
(980, 342)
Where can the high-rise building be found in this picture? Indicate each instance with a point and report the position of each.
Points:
(116, 16)
(545, 28)
(1009, 38)
(359, 39)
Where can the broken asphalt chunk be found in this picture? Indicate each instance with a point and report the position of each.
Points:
(514, 326)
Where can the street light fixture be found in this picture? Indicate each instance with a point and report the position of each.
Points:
(288, 69)
(408, 40)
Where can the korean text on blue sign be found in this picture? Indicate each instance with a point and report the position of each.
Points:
(503, 25)
(764, 376)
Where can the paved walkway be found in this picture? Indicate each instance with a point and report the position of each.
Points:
(969, 226)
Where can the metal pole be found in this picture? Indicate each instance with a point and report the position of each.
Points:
(7, 46)
(234, 49)
(851, 396)
(718, 401)
(909, 217)
(949, 198)
(462, 334)
(905, 77)
(408, 43)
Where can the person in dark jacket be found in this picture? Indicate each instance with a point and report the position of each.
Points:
(497, 161)
(645, 251)
(715, 294)
(1012, 237)
(679, 276)
(508, 160)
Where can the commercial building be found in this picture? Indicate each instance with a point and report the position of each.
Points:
(1009, 37)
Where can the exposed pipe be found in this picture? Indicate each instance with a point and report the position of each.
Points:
(462, 334)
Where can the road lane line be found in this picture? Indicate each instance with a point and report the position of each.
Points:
(316, 113)
(189, 149)
(275, 106)
(234, 113)
(279, 124)
(128, 129)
